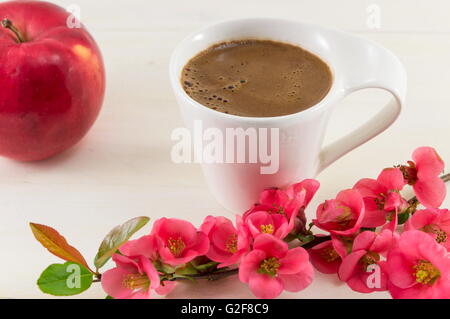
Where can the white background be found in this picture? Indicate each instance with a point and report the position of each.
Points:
(122, 169)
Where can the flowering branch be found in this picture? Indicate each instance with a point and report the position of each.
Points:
(361, 223)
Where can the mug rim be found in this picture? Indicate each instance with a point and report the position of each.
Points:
(176, 78)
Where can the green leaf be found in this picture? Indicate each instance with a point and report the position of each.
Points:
(167, 269)
(109, 297)
(188, 269)
(116, 238)
(185, 277)
(164, 268)
(65, 279)
(205, 267)
(290, 237)
(306, 238)
(403, 218)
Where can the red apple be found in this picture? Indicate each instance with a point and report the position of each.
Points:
(52, 80)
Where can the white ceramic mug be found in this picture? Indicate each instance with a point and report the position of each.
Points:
(356, 64)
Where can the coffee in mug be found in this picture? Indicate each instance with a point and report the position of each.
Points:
(356, 64)
(256, 78)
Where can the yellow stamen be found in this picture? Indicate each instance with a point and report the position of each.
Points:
(426, 273)
(441, 236)
(231, 244)
(267, 229)
(135, 281)
(269, 266)
(329, 254)
(409, 172)
(346, 217)
(176, 246)
(278, 210)
(369, 259)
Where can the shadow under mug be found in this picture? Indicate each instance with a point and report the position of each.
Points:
(356, 63)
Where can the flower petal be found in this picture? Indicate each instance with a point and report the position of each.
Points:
(392, 178)
(273, 197)
(383, 242)
(422, 218)
(431, 192)
(400, 270)
(250, 264)
(264, 286)
(428, 162)
(216, 254)
(299, 281)
(271, 246)
(349, 265)
(166, 288)
(364, 240)
(369, 187)
(112, 283)
(127, 263)
(373, 218)
(308, 186)
(320, 262)
(150, 271)
(140, 294)
(295, 261)
(208, 224)
(145, 246)
(201, 245)
(166, 228)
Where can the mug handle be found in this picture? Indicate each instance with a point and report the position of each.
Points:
(384, 71)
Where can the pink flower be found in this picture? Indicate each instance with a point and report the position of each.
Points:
(144, 246)
(179, 241)
(357, 268)
(289, 203)
(343, 244)
(262, 222)
(435, 222)
(423, 175)
(227, 244)
(343, 215)
(135, 274)
(271, 268)
(325, 258)
(303, 192)
(133, 278)
(418, 268)
(381, 197)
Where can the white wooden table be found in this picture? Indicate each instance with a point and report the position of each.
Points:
(122, 169)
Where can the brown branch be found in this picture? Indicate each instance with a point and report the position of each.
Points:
(446, 178)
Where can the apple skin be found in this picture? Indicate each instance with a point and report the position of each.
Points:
(51, 85)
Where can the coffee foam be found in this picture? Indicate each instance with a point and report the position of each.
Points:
(256, 78)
